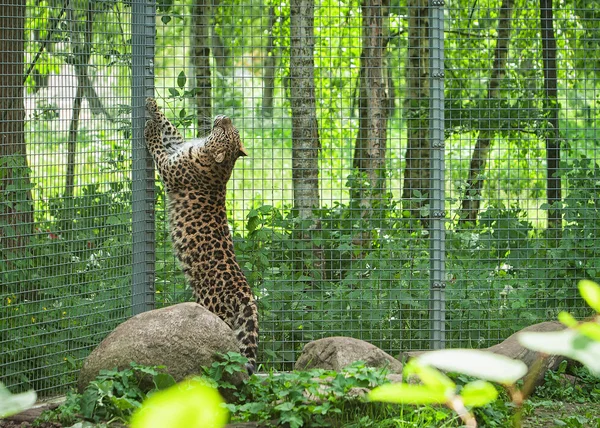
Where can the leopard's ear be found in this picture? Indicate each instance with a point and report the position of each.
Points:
(218, 155)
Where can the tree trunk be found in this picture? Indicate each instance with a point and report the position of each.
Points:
(72, 144)
(373, 106)
(551, 107)
(90, 94)
(81, 57)
(16, 207)
(391, 102)
(269, 66)
(221, 52)
(201, 63)
(305, 131)
(472, 199)
(417, 173)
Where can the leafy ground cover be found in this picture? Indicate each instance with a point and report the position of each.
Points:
(570, 397)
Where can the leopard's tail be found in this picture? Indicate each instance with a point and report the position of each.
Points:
(246, 331)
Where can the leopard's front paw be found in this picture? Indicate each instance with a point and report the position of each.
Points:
(151, 106)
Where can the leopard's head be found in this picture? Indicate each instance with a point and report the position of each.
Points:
(224, 142)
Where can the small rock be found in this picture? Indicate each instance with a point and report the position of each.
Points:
(336, 353)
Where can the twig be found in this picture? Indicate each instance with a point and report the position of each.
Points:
(51, 28)
(519, 396)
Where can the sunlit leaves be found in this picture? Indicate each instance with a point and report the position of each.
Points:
(590, 291)
(567, 319)
(437, 388)
(478, 393)
(190, 404)
(429, 376)
(481, 364)
(11, 404)
(569, 343)
(405, 393)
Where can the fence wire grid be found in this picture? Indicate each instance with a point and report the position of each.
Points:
(421, 175)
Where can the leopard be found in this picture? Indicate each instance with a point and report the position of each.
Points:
(195, 173)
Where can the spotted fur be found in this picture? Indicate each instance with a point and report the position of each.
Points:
(195, 174)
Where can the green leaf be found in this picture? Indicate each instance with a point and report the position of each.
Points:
(429, 376)
(285, 407)
(402, 393)
(253, 408)
(190, 404)
(569, 343)
(163, 381)
(478, 393)
(11, 404)
(590, 329)
(124, 403)
(567, 319)
(150, 370)
(165, 19)
(181, 79)
(291, 418)
(88, 402)
(590, 291)
(253, 223)
(480, 364)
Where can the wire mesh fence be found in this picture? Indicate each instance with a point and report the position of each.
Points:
(65, 189)
(420, 175)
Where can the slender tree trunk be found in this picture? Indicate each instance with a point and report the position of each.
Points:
(201, 63)
(373, 105)
(269, 65)
(360, 146)
(40, 80)
(221, 52)
(81, 58)
(16, 207)
(551, 107)
(72, 144)
(472, 199)
(305, 130)
(391, 102)
(417, 172)
(90, 94)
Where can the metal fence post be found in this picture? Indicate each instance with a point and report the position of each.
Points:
(437, 304)
(142, 82)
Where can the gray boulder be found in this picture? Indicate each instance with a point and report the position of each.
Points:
(181, 337)
(512, 348)
(335, 353)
